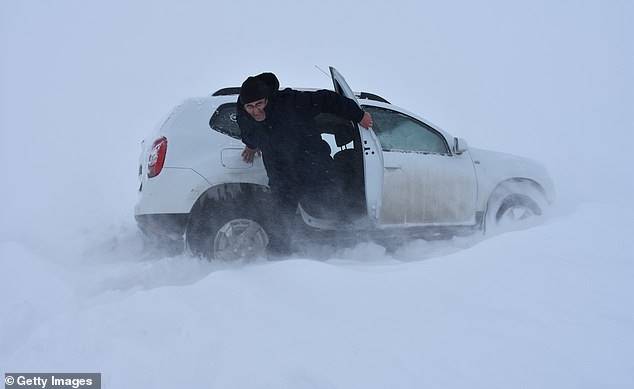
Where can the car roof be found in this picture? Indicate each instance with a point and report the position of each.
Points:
(235, 91)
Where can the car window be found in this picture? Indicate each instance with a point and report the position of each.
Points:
(225, 120)
(397, 131)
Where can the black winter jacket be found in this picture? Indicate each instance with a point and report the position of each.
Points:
(294, 154)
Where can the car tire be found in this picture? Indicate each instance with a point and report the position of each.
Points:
(229, 230)
(514, 205)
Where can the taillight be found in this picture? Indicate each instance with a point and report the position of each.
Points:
(157, 157)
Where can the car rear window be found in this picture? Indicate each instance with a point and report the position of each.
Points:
(225, 120)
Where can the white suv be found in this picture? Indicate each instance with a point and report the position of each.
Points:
(403, 177)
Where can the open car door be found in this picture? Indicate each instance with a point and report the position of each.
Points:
(372, 154)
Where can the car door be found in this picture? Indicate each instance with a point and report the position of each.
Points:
(372, 155)
(424, 182)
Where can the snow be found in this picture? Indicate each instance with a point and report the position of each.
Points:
(545, 307)
(549, 306)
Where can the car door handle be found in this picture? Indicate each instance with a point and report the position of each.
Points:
(393, 167)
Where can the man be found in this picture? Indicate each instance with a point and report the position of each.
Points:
(280, 124)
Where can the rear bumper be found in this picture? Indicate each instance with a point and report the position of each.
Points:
(162, 226)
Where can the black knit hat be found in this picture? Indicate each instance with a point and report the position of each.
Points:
(258, 87)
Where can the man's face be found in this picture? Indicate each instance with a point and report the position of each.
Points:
(256, 109)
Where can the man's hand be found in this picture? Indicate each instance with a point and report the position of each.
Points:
(248, 154)
(366, 121)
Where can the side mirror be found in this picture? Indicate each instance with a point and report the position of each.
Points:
(459, 146)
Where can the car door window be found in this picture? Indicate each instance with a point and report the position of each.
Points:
(399, 132)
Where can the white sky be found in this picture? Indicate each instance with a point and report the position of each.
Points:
(82, 82)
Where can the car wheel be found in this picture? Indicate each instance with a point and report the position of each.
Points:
(513, 206)
(228, 232)
(238, 239)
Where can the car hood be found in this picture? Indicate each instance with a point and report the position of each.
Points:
(493, 167)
